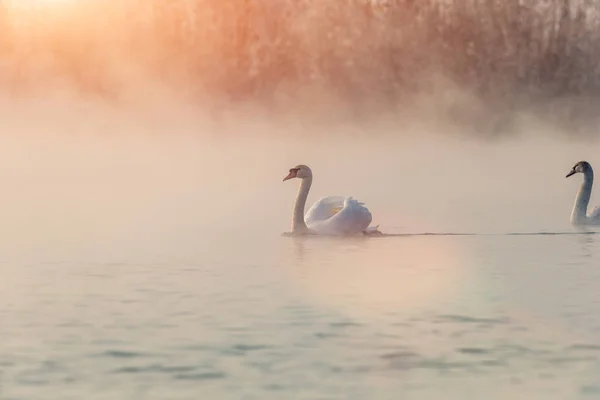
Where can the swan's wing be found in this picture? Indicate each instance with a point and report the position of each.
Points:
(595, 214)
(372, 230)
(324, 209)
(353, 218)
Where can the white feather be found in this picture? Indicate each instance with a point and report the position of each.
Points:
(332, 215)
(323, 217)
(579, 214)
(595, 214)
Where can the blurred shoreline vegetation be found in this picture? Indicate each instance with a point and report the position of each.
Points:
(469, 57)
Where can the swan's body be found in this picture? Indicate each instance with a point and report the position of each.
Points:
(334, 215)
(579, 214)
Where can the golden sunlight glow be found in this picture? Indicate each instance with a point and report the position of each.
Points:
(29, 15)
(356, 277)
(24, 4)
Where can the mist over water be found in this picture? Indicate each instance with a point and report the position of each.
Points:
(110, 170)
(141, 251)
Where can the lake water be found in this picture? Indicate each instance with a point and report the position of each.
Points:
(154, 268)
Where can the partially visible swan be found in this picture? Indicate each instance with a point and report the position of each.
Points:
(579, 215)
(334, 215)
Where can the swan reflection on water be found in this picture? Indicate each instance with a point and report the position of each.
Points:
(352, 275)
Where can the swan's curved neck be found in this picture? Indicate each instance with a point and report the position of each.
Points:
(298, 224)
(582, 200)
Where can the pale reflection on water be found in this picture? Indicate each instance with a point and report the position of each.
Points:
(152, 267)
(360, 275)
(268, 317)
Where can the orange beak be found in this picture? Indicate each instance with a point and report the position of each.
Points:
(291, 175)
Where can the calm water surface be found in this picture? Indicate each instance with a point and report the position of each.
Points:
(268, 317)
(149, 268)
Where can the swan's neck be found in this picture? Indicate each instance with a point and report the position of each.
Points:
(583, 198)
(298, 224)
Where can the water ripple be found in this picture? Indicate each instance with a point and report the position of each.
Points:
(122, 354)
(201, 376)
(472, 350)
(156, 368)
(467, 319)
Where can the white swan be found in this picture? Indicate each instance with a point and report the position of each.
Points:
(579, 215)
(334, 215)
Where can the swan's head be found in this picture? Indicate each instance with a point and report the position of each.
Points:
(299, 171)
(581, 167)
